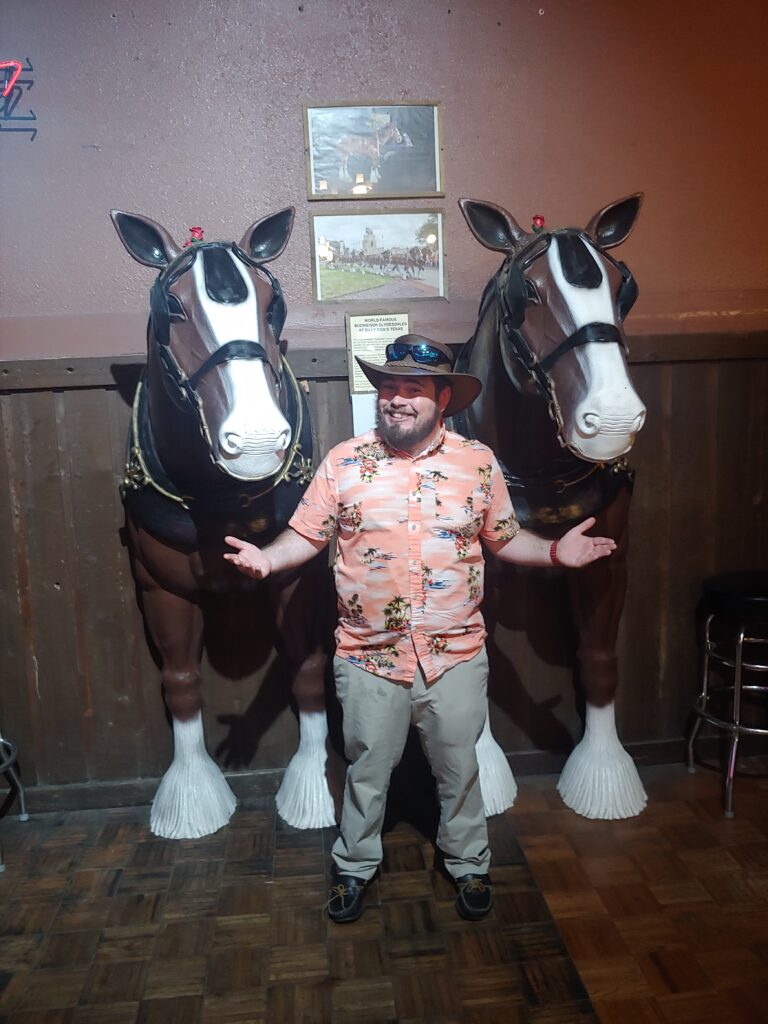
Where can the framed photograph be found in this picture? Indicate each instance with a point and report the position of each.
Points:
(377, 256)
(377, 151)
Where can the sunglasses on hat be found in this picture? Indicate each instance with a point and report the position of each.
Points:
(428, 355)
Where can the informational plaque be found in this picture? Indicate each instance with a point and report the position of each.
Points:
(368, 336)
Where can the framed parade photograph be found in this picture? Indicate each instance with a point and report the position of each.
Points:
(374, 151)
(377, 256)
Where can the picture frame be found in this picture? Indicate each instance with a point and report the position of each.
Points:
(377, 255)
(374, 150)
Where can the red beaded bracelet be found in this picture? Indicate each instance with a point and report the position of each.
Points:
(553, 553)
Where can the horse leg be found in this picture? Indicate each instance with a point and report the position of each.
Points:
(600, 779)
(193, 798)
(304, 799)
(343, 172)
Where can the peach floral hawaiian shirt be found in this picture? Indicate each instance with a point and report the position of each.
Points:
(409, 567)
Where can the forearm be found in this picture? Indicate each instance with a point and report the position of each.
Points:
(525, 548)
(291, 549)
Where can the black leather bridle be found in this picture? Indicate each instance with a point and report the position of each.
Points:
(512, 300)
(183, 388)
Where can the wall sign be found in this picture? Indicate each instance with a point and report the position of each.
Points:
(368, 336)
(15, 113)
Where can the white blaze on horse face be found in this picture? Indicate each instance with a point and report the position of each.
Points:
(254, 436)
(600, 423)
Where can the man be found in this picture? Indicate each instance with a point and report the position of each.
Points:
(409, 503)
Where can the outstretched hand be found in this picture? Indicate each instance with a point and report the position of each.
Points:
(575, 550)
(249, 559)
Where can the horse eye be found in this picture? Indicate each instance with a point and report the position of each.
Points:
(176, 311)
(530, 291)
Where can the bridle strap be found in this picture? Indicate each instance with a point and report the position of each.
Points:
(512, 321)
(232, 350)
(595, 332)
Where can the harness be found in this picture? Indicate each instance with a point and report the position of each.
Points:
(566, 488)
(512, 299)
(144, 468)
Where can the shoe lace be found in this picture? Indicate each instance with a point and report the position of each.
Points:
(339, 891)
(475, 885)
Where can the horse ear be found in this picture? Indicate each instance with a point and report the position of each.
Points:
(146, 241)
(491, 225)
(613, 224)
(266, 239)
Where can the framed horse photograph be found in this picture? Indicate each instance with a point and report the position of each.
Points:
(377, 255)
(374, 151)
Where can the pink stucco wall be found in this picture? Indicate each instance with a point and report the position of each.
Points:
(191, 111)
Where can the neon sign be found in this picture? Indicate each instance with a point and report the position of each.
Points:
(15, 66)
(12, 88)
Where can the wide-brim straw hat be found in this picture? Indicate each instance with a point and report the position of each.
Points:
(464, 386)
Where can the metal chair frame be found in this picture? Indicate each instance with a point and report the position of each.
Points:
(8, 758)
(713, 652)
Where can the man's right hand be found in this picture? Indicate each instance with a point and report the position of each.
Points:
(249, 559)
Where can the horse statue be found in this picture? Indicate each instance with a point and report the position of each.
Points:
(220, 443)
(560, 412)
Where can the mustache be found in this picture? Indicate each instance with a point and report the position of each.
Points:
(400, 408)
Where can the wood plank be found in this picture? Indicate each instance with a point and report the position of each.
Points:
(642, 628)
(52, 638)
(316, 360)
(741, 433)
(18, 719)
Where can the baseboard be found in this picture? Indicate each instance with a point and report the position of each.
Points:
(129, 792)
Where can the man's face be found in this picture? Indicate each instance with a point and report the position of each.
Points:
(408, 410)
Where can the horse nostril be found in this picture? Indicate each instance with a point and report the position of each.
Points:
(639, 420)
(232, 444)
(284, 440)
(589, 424)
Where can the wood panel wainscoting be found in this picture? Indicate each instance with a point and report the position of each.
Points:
(81, 695)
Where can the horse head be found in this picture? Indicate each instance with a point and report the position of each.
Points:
(216, 314)
(560, 300)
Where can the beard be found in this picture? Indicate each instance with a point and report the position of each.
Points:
(408, 433)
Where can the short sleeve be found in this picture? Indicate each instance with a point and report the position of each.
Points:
(317, 513)
(500, 523)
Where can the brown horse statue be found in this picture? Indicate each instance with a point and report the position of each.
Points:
(560, 412)
(220, 444)
(370, 148)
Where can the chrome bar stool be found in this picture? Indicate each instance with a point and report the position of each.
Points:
(8, 759)
(736, 627)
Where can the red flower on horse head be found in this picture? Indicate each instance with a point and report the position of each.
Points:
(538, 223)
(195, 235)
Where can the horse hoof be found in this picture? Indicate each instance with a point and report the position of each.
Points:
(497, 783)
(193, 799)
(303, 799)
(602, 784)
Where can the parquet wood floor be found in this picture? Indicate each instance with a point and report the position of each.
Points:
(665, 915)
(660, 919)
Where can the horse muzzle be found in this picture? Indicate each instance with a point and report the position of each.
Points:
(253, 455)
(603, 434)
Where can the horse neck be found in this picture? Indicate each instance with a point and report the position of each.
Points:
(516, 426)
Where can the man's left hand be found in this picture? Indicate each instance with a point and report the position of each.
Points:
(575, 550)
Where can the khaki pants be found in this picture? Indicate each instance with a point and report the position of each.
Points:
(449, 717)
